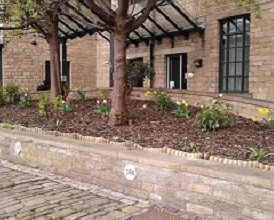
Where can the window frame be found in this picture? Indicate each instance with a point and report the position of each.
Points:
(224, 56)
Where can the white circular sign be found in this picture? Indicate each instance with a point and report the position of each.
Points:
(130, 172)
(17, 147)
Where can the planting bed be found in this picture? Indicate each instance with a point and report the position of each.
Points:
(151, 128)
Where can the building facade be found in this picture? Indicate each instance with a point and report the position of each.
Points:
(233, 55)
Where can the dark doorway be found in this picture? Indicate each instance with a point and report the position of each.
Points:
(138, 60)
(176, 71)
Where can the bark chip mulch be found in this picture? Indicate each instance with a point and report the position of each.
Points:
(152, 129)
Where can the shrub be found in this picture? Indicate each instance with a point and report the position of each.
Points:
(44, 104)
(66, 107)
(12, 91)
(214, 116)
(257, 154)
(103, 107)
(65, 90)
(267, 118)
(2, 96)
(25, 98)
(80, 95)
(162, 101)
(182, 109)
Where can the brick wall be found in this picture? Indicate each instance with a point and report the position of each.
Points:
(201, 189)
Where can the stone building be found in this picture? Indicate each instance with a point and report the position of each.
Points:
(197, 52)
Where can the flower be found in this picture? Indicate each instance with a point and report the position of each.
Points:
(184, 102)
(178, 103)
(148, 82)
(264, 111)
(155, 93)
(77, 89)
(98, 101)
(202, 106)
(220, 95)
(105, 101)
(147, 93)
(63, 102)
(214, 101)
(144, 106)
(271, 118)
(254, 119)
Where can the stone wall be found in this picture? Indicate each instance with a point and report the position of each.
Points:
(199, 188)
(24, 64)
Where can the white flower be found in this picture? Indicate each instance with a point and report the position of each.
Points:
(184, 102)
(178, 103)
(214, 101)
(98, 102)
(220, 95)
(105, 101)
(202, 106)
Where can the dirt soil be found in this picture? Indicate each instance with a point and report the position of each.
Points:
(155, 214)
(151, 128)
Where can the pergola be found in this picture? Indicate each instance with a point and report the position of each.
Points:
(168, 20)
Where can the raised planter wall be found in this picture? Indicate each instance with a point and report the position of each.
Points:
(199, 188)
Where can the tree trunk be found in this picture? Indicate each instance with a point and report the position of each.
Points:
(118, 113)
(54, 46)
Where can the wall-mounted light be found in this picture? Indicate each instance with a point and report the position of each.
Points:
(33, 42)
(198, 63)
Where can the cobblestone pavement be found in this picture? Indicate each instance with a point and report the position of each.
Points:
(27, 193)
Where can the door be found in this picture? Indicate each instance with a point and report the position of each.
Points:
(176, 71)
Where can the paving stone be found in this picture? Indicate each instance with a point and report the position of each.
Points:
(61, 214)
(29, 197)
(131, 209)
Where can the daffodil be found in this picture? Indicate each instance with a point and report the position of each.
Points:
(271, 118)
(148, 82)
(144, 106)
(155, 93)
(178, 103)
(220, 95)
(254, 119)
(77, 89)
(264, 111)
(184, 102)
(105, 101)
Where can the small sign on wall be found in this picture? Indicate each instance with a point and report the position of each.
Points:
(130, 172)
(17, 147)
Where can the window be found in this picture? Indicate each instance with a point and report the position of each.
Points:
(176, 71)
(234, 54)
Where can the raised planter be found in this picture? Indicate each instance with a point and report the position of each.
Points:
(197, 187)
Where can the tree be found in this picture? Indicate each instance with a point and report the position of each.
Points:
(41, 16)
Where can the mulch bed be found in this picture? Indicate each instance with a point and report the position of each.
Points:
(152, 129)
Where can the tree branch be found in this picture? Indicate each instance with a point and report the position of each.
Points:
(101, 12)
(134, 24)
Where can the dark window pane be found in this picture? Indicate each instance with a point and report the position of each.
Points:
(224, 84)
(232, 55)
(232, 41)
(246, 72)
(239, 40)
(239, 55)
(239, 69)
(247, 39)
(231, 82)
(231, 69)
(238, 85)
(247, 53)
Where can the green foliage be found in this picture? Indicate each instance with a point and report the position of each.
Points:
(162, 101)
(192, 148)
(182, 109)
(23, 104)
(44, 104)
(57, 102)
(81, 96)
(103, 108)
(137, 138)
(137, 71)
(56, 125)
(2, 95)
(267, 118)
(214, 116)
(66, 107)
(25, 96)
(12, 92)
(257, 154)
(7, 126)
(65, 90)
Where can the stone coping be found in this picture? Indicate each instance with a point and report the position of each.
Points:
(243, 175)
